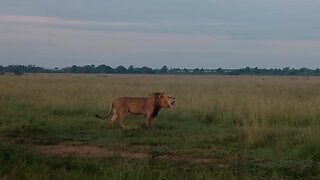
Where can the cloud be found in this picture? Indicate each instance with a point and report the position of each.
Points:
(46, 46)
(213, 28)
(52, 41)
(246, 19)
(39, 20)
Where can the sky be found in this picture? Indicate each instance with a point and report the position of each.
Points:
(153, 33)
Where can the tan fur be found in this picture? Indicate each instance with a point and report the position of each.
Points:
(147, 106)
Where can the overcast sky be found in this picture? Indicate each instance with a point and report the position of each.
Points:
(176, 33)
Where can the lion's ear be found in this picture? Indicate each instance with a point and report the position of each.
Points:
(157, 94)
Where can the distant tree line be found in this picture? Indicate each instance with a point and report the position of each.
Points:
(104, 69)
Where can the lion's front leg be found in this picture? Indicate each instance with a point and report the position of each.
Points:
(149, 122)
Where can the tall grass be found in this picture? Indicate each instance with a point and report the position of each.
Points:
(259, 107)
(256, 116)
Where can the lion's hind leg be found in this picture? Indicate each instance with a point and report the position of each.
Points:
(122, 116)
(113, 118)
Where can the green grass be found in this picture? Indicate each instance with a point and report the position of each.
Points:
(19, 164)
(270, 124)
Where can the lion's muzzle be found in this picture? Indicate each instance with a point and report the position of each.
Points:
(172, 101)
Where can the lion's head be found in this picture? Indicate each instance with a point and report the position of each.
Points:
(163, 100)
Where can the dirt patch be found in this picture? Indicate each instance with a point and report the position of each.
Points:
(67, 149)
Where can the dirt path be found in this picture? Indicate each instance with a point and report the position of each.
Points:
(68, 149)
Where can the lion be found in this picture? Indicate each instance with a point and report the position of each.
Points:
(147, 106)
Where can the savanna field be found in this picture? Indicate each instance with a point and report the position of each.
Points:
(221, 127)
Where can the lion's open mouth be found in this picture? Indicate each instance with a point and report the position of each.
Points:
(172, 103)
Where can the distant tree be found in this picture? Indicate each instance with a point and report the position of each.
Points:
(292, 72)
(88, 69)
(256, 70)
(202, 71)
(104, 69)
(304, 71)
(147, 70)
(286, 70)
(164, 70)
(121, 70)
(235, 72)
(2, 70)
(131, 70)
(175, 71)
(21, 69)
(18, 69)
(198, 71)
(34, 69)
(74, 69)
(246, 70)
(220, 71)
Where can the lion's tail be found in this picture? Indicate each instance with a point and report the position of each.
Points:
(106, 116)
